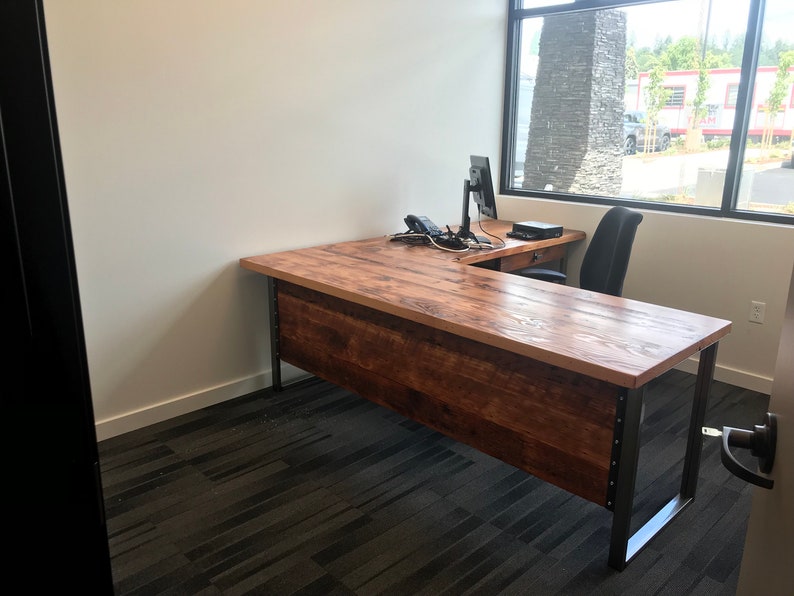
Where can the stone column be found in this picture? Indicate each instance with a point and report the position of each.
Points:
(576, 128)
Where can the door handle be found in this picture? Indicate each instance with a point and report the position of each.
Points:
(760, 441)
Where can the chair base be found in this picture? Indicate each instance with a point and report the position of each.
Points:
(543, 274)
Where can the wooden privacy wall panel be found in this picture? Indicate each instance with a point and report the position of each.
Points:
(550, 422)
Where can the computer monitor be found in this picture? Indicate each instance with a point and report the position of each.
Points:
(479, 185)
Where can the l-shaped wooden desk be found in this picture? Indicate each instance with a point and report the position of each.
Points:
(546, 377)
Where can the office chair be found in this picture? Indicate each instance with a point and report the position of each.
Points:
(607, 257)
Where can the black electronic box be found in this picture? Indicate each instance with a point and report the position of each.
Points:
(538, 230)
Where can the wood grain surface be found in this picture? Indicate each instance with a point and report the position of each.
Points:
(621, 341)
(550, 422)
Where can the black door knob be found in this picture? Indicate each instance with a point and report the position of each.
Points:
(761, 443)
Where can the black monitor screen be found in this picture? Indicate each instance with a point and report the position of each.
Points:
(481, 186)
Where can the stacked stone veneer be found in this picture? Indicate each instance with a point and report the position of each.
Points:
(576, 129)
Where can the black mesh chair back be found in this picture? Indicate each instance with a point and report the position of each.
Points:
(606, 260)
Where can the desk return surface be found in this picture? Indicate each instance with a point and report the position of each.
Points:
(527, 371)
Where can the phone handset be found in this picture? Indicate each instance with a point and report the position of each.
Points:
(422, 225)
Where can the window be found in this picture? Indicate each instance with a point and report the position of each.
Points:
(675, 96)
(731, 95)
(673, 105)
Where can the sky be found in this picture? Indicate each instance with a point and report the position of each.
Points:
(649, 22)
(688, 17)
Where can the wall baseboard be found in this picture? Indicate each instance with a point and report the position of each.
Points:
(118, 425)
(732, 376)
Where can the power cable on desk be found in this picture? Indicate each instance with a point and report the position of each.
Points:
(501, 242)
(412, 238)
(448, 242)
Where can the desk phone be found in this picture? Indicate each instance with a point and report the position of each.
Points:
(422, 225)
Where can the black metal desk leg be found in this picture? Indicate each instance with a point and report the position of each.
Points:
(694, 444)
(275, 360)
(624, 547)
(627, 454)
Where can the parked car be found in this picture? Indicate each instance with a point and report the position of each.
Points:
(635, 125)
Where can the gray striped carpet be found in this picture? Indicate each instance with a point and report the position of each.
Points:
(316, 491)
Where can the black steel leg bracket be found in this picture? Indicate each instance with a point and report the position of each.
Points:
(275, 356)
(624, 546)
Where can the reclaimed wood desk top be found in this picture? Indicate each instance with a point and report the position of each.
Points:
(618, 340)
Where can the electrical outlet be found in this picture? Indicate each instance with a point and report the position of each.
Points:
(757, 311)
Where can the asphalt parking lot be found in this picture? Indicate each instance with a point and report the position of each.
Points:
(655, 176)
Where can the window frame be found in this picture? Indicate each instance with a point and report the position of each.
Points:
(516, 15)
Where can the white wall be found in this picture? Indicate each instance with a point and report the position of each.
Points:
(196, 132)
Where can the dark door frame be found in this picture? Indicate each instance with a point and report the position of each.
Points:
(52, 487)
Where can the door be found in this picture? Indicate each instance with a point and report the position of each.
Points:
(54, 525)
(768, 561)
